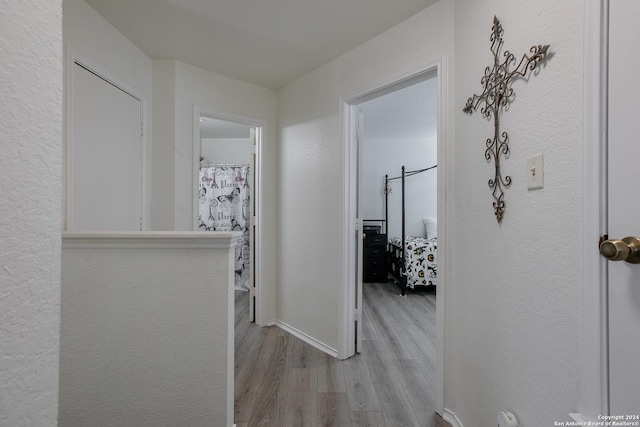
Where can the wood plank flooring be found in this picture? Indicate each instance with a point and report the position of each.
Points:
(281, 381)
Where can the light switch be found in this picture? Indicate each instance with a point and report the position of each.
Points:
(535, 172)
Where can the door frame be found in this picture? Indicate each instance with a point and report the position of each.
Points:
(348, 107)
(258, 249)
(73, 57)
(595, 371)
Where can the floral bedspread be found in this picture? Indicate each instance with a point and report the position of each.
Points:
(420, 259)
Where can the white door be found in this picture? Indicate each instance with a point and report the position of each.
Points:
(104, 187)
(359, 125)
(624, 205)
(253, 173)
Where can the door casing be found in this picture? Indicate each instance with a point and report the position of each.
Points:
(260, 314)
(349, 106)
(595, 380)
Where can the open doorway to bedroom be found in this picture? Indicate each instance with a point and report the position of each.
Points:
(399, 188)
(396, 168)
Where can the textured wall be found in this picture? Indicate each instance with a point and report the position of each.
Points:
(196, 86)
(94, 38)
(163, 146)
(30, 200)
(226, 150)
(387, 156)
(147, 330)
(401, 129)
(310, 189)
(516, 299)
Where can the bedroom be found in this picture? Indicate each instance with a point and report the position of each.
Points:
(400, 131)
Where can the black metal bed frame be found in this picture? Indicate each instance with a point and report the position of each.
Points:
(387, 180)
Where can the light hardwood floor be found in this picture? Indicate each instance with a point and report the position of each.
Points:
(281, 381)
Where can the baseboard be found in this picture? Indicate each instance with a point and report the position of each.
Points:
(450, 417)
(306, 338)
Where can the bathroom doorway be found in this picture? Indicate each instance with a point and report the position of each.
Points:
(227, 189)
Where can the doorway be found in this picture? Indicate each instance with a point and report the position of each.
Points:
(227, 171)
(355, 130)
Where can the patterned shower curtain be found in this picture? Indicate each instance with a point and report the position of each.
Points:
(224, 206)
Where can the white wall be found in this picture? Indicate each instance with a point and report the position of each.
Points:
(162, 153)
(172, 89)
(186, 86)
(91, 37)
(147, 329)
(206, 89)
(310, 162)
(387, 156)
(515, 307)
(513, 304)
(401, 129)
(30, 206)
(226, 150)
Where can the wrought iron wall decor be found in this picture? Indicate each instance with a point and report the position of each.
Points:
(496, 95)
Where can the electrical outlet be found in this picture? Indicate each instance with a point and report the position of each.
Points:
(535, 172)
(507, 419)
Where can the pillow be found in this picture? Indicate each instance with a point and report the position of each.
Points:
(431, 227)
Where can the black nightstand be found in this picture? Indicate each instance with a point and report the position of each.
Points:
(375, 257)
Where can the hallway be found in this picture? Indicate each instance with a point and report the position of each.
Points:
(282, 381)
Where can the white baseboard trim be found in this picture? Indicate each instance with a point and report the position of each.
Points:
(450, 417)
(306, 338)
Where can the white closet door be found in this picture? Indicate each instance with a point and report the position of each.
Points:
(105, 156)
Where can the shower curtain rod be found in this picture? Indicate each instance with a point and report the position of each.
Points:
(228, 165)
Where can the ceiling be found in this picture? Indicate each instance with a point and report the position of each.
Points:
(265, 42)
(216, 128)
(406, 113)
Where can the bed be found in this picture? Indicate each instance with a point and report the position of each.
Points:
(412, 259)
(419, 260)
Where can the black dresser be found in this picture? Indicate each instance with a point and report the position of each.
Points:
(375, 257)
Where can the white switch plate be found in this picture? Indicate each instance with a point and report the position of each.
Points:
(535, 172)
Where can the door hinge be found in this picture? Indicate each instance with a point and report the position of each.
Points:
(359, 133)
(252, 291)
(357, 315)
(359, 224)
(141, 129)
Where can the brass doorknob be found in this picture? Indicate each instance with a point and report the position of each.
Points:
(627, 249)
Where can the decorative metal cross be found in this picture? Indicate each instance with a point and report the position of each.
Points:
(498, 93)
